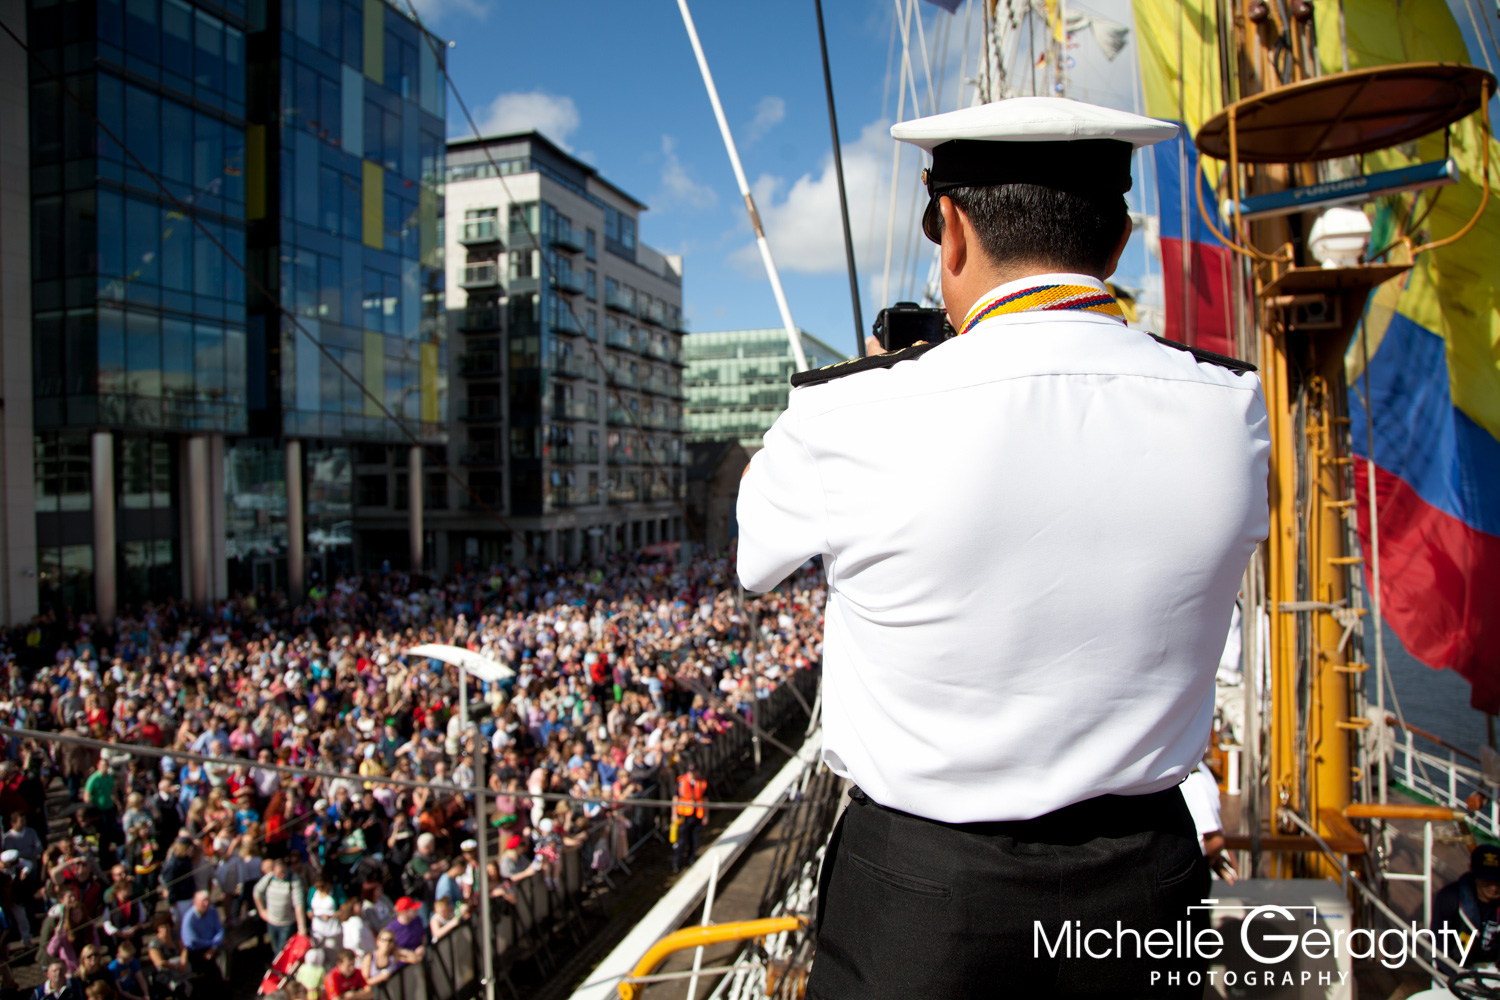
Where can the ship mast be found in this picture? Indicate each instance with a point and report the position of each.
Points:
(1280, 125)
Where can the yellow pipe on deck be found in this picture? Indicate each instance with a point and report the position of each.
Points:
(697, 937)
(1400, 810)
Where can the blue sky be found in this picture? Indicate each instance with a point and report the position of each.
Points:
(616, 83)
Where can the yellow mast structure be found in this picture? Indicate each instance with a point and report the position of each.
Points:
(1281, 120)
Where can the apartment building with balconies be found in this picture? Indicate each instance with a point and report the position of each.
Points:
(566, 377)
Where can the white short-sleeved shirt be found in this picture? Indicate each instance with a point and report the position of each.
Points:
(1201, 793)
(1034, 535)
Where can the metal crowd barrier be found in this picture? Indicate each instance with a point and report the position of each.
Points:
(548, 905)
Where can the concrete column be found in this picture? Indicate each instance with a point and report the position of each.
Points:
(414, 504)
(17, 444)
(218, 552)
(296, 531)
(549, 546)
(103, 503)
(199, 545)
(575, 545)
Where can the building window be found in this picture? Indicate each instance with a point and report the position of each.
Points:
(619, 233)
(63, 466)
(482, 224)
(65, 577)
(523, 219)
(255, 513)
(148, 570)
(144, 473)
(524, 442)
(591, 245)
(482, 313)
(374, 490)
(523, 264)
(591, 284)
(330, 508)
(435, 492)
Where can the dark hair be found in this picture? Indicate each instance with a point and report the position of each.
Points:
(1028, 222)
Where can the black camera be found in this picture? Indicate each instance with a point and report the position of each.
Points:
(907, 323)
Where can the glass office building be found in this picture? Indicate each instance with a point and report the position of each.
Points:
(737, 381)
(271, 155)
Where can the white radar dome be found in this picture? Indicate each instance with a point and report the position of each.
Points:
(1340, 237)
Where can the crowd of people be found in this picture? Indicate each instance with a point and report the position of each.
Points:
(161, 861)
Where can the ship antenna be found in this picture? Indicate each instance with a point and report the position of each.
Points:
(838, 170)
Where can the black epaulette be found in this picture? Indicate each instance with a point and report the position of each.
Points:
(1222, 360)
(817, 376)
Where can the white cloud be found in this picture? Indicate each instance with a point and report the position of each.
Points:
(677, 186)
(801, 220)
(768, 114)
(554, 116)
(435, 10)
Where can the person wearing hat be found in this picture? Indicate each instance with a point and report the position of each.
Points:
(1033, 534)
(409, 927)
(1466, 913)
(468, 855)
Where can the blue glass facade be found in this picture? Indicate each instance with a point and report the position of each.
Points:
(347, 210)
(139, 321)
(301, 138)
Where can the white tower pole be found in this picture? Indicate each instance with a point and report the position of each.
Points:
(739, 175)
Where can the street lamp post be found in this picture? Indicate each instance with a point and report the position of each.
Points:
(471, 663)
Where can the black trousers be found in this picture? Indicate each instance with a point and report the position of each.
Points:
(910, 908)
(688, 828)
(205, 967)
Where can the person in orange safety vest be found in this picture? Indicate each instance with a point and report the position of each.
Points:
(692, 790)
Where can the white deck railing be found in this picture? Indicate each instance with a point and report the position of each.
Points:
(1446, 781)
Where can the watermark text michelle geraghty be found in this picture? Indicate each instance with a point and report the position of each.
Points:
(1261, 942)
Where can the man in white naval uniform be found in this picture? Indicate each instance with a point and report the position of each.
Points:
(1033, 534)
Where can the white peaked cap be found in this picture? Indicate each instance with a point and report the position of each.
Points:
(1034, 119)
